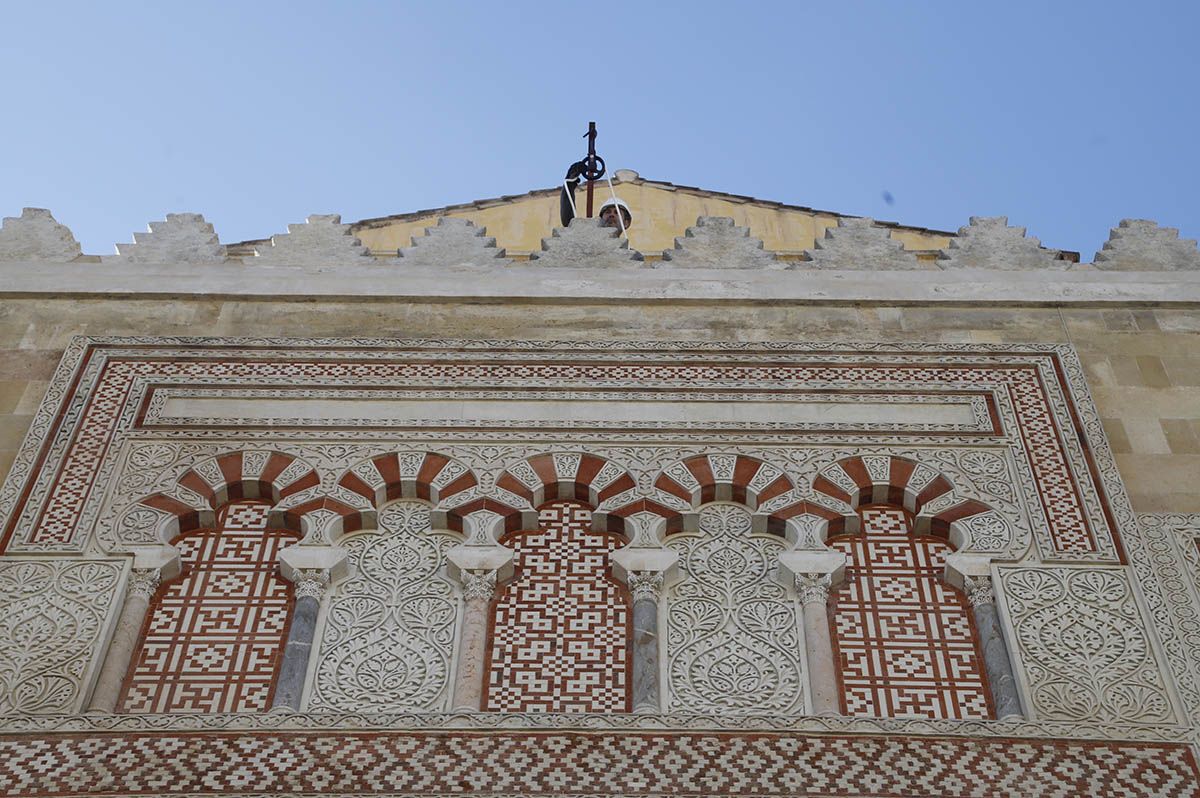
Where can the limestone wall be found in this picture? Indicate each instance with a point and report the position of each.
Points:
(1143, 364)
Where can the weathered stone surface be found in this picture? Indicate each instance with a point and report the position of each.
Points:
(35, 235)
(183, 237)
(988, 242)
(321, 240)
(1141, 245)
(453, 242)
(717, 243)
(858, 243)
(587, 245)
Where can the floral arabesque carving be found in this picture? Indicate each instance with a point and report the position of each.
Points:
(388, 639)
(1084, 646)
(733, 642)
(53, 619)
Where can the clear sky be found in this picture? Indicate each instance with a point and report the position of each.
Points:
(1066, 117)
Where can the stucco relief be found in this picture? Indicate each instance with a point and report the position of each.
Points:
(733, 641)
(388, 638)
(1083, 646)
(53, 621)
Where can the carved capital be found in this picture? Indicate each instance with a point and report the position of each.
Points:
(979, 590)
(311, 582)
(143, 582)
(479, 585)
(814, 588)
(645, 585)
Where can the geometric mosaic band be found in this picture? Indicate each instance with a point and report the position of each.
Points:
(594, 764)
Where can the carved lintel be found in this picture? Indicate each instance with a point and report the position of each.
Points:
(311, 583)
(979, 590)
(479, 585)
(646, 585)
(143, 582)
(814, 588)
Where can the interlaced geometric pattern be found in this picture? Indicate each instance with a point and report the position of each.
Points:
(213, 637)
(1046, 449)
(561, 628)
(904, 639)
(627, 763)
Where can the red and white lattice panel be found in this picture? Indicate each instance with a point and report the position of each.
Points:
(561, 628)
(904, 639)
(213, 637)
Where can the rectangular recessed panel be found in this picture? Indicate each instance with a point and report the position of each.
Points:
(951, 414)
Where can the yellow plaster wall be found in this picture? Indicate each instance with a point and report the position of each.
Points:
(661, 214)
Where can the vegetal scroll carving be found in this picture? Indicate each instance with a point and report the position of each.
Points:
(389, 634)
(54, 614)
(733, 643)
(1084, 645)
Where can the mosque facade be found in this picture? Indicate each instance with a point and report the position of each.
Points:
(758, 500)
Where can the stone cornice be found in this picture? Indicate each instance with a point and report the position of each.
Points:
(533, 282)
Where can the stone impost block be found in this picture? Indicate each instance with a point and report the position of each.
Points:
(296, 559)
(960, 568)
(1141, 245)
(584, 244)
(715, 242)
(860, 244)
(643, 560)
(182, 238)
(321, 241)
(988, 242)
(480, 558)
(35, 235)
(164, 560)
(453, 242)
(793, 564)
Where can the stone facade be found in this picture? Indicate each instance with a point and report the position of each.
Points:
(621, 527)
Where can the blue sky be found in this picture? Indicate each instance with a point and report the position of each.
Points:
(1066, 117)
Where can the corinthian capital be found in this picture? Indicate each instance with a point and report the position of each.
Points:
(480, 585)
(143, 582)
(979, 590)
(311, 582)
(814, 588)
(645, 585)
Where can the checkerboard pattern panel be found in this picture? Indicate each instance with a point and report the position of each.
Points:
(402, 764)
(213, 637)
(561, 628)
(905, 640)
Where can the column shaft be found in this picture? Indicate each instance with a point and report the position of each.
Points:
(645, 656)
(822, 673)
(289, 686)
(468, 682)
(995, 658)
(125, 638)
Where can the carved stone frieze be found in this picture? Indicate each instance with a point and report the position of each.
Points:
(732, 631)
(1082, 645)
(54, 619)
(388, 639)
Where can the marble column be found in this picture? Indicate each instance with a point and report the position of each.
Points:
(982, 597)
(478, 589)
(289, 685)
(813, 590)
(646, 586)
(142, 584)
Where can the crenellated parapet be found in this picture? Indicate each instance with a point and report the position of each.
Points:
(322, 240)
(453, 242)
(35, 235)
(715, 242)
(989, 242)
(181, 238)
(1143, 245)
(860, 244)
(585, 244)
